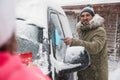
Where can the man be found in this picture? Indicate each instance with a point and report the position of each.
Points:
(93, 38)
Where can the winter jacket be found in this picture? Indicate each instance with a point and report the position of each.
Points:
(93, 38)
(11, 68)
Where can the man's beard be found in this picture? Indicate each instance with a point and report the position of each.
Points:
(85, 22)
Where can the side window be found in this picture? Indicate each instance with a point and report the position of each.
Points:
(28, 37)
(30, 31)
(65, 25)
(57, 34)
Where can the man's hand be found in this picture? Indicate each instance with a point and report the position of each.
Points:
(68, 41)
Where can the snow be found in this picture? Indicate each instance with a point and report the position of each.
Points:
(61, 65)
(33, 11)
(73, 54)
(114, 66)
(114, 69)
(42, 62)
(114, 75)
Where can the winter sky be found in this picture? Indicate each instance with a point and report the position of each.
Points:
(80, 2)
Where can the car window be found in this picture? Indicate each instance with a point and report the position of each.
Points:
(29, 31)
(25, 45)
(57, 35)
(28, 37)
(57, 28)
(65, 25)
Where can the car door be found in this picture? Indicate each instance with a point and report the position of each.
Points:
(29, 36)
(56, 35)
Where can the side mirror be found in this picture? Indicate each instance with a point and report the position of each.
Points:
(76, 55)
(76, 59)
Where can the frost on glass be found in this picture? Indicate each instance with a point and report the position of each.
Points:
(28, 37)
(59, 47)
(25, 45)
(28, 30)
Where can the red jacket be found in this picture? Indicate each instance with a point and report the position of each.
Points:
(11, 68)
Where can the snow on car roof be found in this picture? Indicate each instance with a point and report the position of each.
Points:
(35, 11)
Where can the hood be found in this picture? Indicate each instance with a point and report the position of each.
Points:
(96, 21)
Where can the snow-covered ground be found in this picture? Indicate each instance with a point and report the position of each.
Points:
(114, 68)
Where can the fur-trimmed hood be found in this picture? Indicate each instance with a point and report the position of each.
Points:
(96, 21)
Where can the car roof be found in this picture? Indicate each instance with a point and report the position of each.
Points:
(35, 11)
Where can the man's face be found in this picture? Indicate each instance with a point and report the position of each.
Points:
(85, 18)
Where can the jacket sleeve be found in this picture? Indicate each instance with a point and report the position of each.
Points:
(96, 44)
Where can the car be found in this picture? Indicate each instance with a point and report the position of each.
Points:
(42, 26)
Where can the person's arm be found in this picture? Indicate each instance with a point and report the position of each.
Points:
(95, 46)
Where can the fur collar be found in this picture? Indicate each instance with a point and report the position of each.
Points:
(96, 21)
